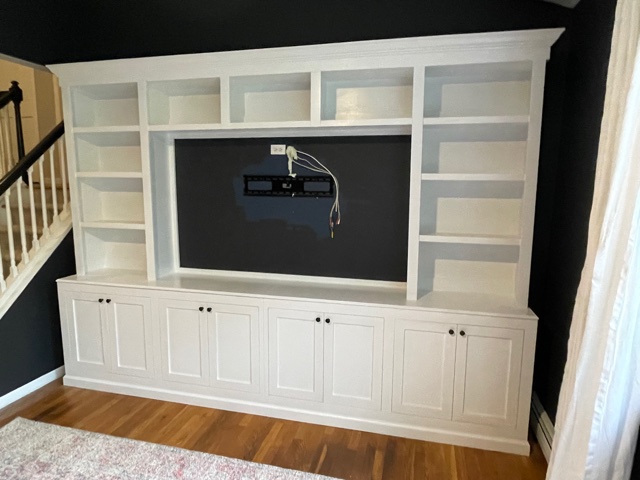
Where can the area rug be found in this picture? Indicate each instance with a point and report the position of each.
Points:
(38, 451)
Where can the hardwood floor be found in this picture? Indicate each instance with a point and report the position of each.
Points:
(336, 452)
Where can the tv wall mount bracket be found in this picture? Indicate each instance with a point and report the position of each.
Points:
(288, 186)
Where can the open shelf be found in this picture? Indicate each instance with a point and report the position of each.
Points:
(108, 152)
(183, 102)
(475, 149)
(114, 248)
(105, 105)
(111, 200)
(489, 89)
(470, 239)
(471, 208)
(367, 94)
(271, 98)
(467, 268)
(112, 225)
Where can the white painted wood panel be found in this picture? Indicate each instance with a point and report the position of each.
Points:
(295, 354)
(353, 360)
(487, 379)
(131, 344)
(185, 356)
(88, 331)
(423, 368)
(234, 344)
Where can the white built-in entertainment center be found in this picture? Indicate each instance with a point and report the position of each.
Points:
(447, 356)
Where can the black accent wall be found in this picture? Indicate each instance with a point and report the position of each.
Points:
(30, 341)
(565, 186)
(48, 32)
(55, 32)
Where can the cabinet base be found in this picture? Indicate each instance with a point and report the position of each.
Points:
(506, 445)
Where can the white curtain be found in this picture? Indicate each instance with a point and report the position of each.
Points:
(599, 409)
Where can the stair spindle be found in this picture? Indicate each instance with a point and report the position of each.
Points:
(35, 243)
(12, 251)
(23, 230)
(43, 200)
(3, 156)
(63, 175)
(54, 193)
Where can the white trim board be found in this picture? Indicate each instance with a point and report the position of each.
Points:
(564, 3)
(15, 289)
(542, 426)
(417, 432)
(30, 387)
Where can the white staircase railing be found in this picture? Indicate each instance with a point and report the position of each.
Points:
(36, 217)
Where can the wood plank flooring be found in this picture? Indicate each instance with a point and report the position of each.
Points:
(336, 452)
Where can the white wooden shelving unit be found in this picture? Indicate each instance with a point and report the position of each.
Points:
(447, 357)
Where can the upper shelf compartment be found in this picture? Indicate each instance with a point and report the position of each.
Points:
(184, 102)
(479, 90)
(271, 98)
(111, 105)
(367, 94)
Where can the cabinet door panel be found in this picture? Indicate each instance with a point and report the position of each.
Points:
(295, 354)
(423, 368)
(184, 342)
(235, 348)
(353, 360)
(130, 333)
(88, 331)
(488, 375)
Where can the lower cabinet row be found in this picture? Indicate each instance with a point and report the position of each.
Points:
(450, 371)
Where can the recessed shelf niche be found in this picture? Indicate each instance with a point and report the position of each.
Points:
(475, 149)
(108, 152)
(184, 102)
(111, 105)
(271, 98)
(117, 249)
(466, 208)
(112, 200)
(491, 89)
(367, 94)
(467, 269)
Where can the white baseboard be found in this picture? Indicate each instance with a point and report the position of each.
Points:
(417, 432)
(31, 387)
(542, 426)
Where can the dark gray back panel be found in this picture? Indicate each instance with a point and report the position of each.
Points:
(220, 228)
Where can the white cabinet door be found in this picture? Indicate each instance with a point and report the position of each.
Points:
(234, 345)
(183, 330)
(87, 333)
(130, 337)
(295, 354)
(423, 368)
(353, 360)
(487, 380)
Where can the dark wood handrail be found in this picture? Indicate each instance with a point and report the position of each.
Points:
(14, 94)
(20, 170)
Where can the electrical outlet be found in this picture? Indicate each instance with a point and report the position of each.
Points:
(278, 149)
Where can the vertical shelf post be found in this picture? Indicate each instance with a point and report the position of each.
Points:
(415, 183)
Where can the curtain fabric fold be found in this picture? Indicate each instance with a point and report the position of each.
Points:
(599, 407)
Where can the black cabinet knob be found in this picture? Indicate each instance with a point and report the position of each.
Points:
(209, 309)
(101, 300)
(328, 320)
(451, 332)
(108, 300)
(318, 319)
(462, 333)
(201, 309)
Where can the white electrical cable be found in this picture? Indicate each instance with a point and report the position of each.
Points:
(294, 158)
